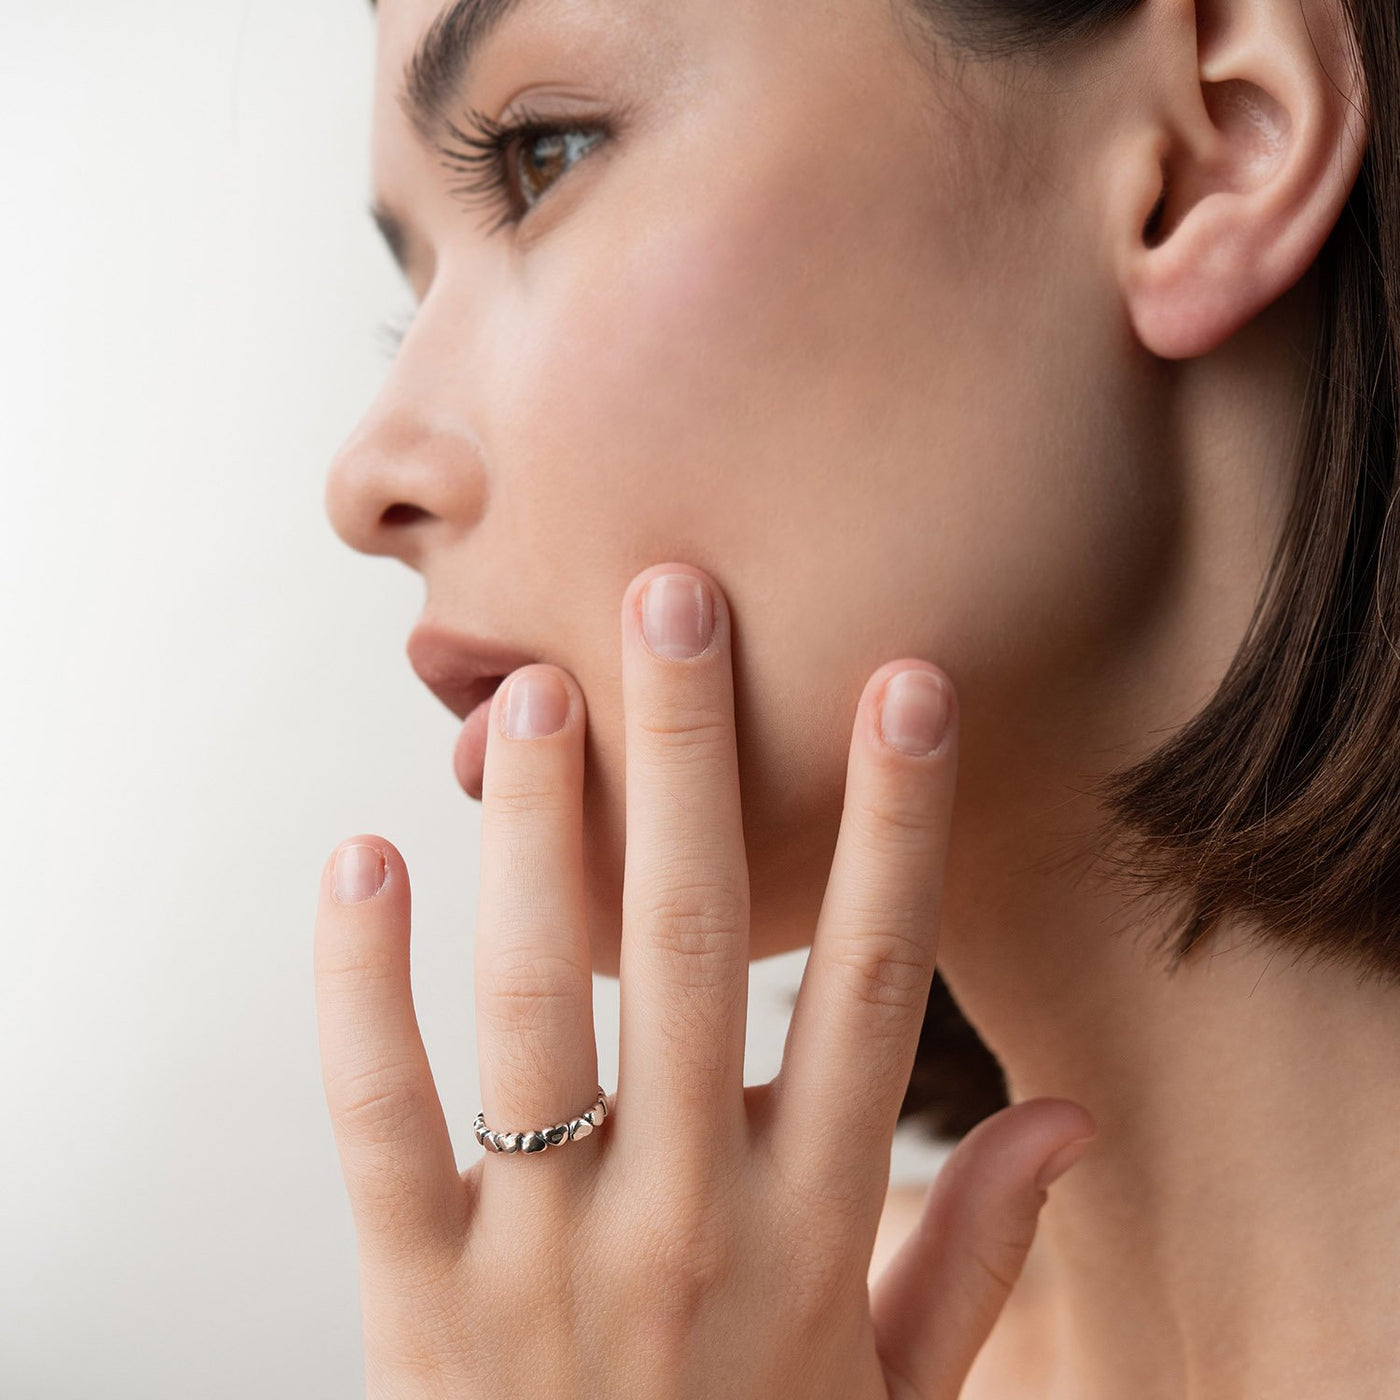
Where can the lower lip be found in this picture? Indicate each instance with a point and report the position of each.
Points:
(469, 756)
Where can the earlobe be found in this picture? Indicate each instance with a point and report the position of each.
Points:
(1256, 155)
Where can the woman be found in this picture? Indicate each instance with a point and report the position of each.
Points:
(1045, 352)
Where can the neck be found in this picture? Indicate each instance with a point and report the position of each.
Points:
(1232, 1232)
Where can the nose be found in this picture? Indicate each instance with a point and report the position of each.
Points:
(404, 478)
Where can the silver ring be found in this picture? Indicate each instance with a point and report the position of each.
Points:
(537, 1139)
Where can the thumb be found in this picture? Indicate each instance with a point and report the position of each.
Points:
(935, 1305)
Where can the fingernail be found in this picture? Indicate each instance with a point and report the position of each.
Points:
(359, 873)
(914, 712)
(1057, 1165)
(536, 704)
(678, 615)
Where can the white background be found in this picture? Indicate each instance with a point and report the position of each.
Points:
(204, 691)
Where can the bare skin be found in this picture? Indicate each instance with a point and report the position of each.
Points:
(708, 1238)
(1018, 1360)
(879, 345)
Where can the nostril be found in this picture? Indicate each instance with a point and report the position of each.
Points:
(403, 514)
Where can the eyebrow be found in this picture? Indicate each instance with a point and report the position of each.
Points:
(433, 74)
(430, 80)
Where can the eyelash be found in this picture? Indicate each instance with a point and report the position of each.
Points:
(391, 331)
(484, 149)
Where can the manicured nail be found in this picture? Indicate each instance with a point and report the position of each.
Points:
(914, 712)
(359, 873)
(678, 615)
(536, 704)
(1057, 1165)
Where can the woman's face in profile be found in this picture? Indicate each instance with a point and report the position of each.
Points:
(788, 300)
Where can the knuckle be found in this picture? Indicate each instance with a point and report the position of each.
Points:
(679, 728)
(352, 967)
(688, 1254)
(530, 988)
(885, 968)
(1000, 1264)
(698, 1275)
(376, 1105)
(531, 971)
(903, 813)
(693, 886)
(696, 918)
(516, 795)
(997, 1243)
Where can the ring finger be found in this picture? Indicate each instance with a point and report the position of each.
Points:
(536, 1047)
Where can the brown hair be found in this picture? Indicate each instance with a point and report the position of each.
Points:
(1278, 804)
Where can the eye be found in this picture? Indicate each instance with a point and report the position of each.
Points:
(513, 164)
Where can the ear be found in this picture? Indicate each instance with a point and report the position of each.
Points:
(1258, 119)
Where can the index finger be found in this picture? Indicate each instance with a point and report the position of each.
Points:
(855, 1028)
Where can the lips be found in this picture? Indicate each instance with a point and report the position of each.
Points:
(460, 669)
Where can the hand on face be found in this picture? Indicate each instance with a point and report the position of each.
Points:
(705, 1239)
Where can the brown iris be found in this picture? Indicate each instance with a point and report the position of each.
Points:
(542, 158)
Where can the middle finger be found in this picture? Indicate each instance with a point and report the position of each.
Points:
(684, 967)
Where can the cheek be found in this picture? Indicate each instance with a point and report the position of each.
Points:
(680, 414)
(847, 416)
(661, 366)
(869, 425)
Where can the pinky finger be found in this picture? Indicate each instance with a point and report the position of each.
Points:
(396, 1154)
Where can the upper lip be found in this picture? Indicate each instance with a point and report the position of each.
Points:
(461, 670)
